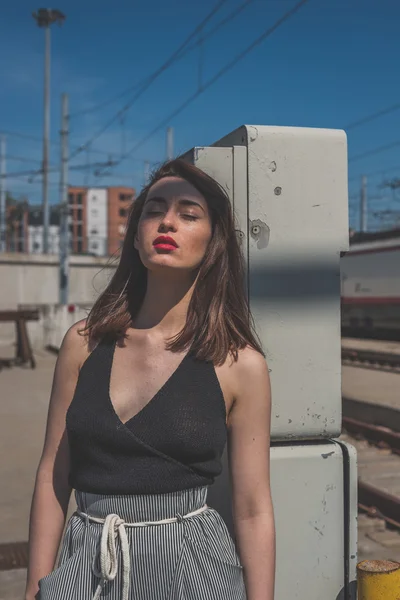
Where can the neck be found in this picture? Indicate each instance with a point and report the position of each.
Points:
(165, 305)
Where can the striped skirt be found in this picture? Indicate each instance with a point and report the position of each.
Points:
(115, 547)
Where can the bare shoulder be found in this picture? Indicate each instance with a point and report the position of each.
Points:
(74, 348)
(250, 363)
(251, 388)
(250, 369)
(242, 378)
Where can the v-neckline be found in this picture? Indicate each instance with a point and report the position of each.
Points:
(152, 399)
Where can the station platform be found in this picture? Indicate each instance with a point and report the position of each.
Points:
(25, 394)
(371, 386)
(375, 345)
(371, 396)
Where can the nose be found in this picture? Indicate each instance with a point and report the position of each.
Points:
(168, 222)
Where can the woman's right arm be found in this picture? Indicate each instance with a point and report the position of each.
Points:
(52, 492)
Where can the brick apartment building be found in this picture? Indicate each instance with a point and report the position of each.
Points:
(98, 218)
(97, 221)
(35, 229)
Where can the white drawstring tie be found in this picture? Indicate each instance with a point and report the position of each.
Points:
(113, 527)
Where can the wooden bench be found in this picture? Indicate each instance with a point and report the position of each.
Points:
(24, 352)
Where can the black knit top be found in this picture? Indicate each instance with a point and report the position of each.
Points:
(175, 442)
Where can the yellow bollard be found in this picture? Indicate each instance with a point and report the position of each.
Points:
(378, 580)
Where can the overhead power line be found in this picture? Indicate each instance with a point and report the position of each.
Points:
(215, 78)
(147, 80)
(24, 159)
(96, 165)
(92, 109)
(33, 138)
(54, 169)
(374, 151)
(188, 101)
(151, 79)
(372, 117)
(24, 136)
(377, 173)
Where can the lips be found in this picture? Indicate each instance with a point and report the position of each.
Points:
(165, 242)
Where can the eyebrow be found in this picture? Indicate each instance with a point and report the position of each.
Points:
(183, 201)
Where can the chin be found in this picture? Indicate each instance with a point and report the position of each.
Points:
(163, 264)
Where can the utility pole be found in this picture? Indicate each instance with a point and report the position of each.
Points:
(45, 17)
(170, 143)
(2, 193)
(64, 225)
(146, 172)
(363, 204)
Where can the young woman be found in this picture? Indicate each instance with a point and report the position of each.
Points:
(145, 393)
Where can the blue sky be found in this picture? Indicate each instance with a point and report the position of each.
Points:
(332, 63)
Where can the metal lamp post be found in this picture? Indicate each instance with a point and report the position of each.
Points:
(45, 17)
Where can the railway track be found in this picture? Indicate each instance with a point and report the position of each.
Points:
(382, 437)
(378, 450)
(372, 359)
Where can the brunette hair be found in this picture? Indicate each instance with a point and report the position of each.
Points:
(218, 320)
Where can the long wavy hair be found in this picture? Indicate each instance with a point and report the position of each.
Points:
(218, 320)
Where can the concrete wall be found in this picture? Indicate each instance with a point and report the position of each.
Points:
(32, 281)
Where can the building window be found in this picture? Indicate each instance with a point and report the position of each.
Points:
(125, 197)
(122, 212)
(80, 246)
(70, 198)
(79, 198)
(79, 230)
(79, 214)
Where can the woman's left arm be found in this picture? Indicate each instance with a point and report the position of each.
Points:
(249, 458)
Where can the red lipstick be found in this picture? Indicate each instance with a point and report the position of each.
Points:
(165, 242)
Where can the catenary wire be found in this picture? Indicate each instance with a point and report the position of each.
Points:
(232, 15)
(153, 77)
(374, 151)
(215, 78)
(372, 117)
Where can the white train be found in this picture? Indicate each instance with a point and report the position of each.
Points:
(370, 285)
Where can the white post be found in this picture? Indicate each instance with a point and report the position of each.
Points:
(170, 143)
(363, 204)
(2, 193)
(64, 231)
